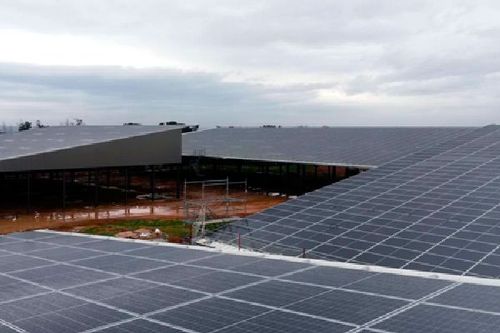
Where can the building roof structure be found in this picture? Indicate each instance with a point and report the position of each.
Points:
(363, 147)
(80, 147)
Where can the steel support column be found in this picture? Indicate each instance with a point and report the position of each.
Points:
(152, 183)
(178, 180)
(64, 191)
(127, 185)
(28, 189)
(96, 187)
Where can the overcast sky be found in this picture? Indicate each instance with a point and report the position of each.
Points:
(288, 62)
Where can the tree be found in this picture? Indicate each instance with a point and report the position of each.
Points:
(24, 126)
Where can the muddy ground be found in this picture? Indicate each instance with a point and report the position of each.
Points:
(138, 209)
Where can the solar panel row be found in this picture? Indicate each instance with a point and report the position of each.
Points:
(360, 146)
(108, 289)
(434, 210)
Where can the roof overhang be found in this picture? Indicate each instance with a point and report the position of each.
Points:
(87, 147)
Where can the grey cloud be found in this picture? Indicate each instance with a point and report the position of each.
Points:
(435, 58)
(115, 95)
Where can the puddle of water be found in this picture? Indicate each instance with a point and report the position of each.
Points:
(10, 222)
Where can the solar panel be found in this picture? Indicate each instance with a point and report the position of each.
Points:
(346, 306)
(119, 263)
(477, 297)
(241, 296)
(216, 282)
(427, 318)
(140, 326)
(434, 210)
(11, 289)
(398, 286)
(329, 276)
(59, 276)
(210, 314)
(358, 146)
(283, 293)
(284, 322)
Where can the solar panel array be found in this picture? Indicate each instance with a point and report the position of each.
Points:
(351, 146)
(435, 210)
(60, 283)
(39, 140)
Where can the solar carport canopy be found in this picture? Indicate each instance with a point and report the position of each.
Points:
(52, 283)
(78, 147)
(341, 146)
(435, 210)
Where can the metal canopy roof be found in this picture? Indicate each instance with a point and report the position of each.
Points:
(342, 146)
(53, 282)
(94, 146)
(435, 210)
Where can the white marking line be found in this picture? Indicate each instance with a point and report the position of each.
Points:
(11, 326)
(346, 289)
(30, 268)
(241, 321)
(25, 297)
(456, 307)
(118, 323)
(376, 330)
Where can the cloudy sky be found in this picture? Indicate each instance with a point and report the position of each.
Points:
(229, 62)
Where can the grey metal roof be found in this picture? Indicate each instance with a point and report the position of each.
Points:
(350, 146)
(84, 147)
(53, 283)
(435, 210)
(49, 139)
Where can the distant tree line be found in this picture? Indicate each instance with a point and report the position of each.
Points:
(26, 125)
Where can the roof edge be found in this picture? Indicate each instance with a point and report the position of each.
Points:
(318, 262)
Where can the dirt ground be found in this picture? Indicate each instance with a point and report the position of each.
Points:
(167, 209)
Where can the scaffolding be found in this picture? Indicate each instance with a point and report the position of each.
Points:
(210, 202)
